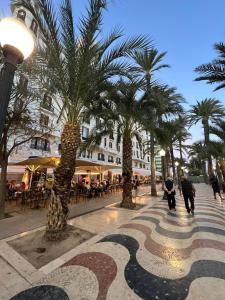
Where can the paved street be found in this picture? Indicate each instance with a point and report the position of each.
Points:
(153, 254)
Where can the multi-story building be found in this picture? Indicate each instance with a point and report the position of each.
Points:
(108, 152)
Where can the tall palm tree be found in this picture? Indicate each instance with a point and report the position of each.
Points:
(147, 63)
(77, 62)
(218, 147)
(168, 104)
(121, 113)
(214, 72)
(206, 111)
(198, 151)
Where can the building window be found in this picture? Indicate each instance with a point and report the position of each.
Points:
(98, 122)
(133, 153)
(101, 156)
(143, 166)
(47, 102)
(105, 142)
(137, 145)
(140, 166)
(110, 145)
(118, 160)
(44, 120)
(21, 14)
(137, 154)
(111, 136)
(34, 26)
(110, 158)
(40, 144)
(118, 148)
(136, 164)
(59, 148)
(148, 158)
(83, 153)
(85, 133)
(86, 118)
(89, 154)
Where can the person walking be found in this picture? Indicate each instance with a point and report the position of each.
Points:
(215, 186)
(188, 192)
(170, 193)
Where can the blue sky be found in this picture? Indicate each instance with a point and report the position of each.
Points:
(186, 29)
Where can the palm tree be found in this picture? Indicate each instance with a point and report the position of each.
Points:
(121, 114)
(148, 62)
(168, 104)
(218, 147)
(214, 72)
(78, 63)
(168, 134)
(198, 151)
(206, 111)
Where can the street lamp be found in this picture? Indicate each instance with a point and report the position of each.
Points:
(176, 163)
(17, 44)
(162, 152)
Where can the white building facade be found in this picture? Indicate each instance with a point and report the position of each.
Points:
(108, 152)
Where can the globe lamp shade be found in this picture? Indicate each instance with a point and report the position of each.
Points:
(176, 163)
(162, 152)
(16, 39)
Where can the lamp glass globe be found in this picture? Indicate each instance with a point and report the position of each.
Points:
(162, 152)
(14, 32)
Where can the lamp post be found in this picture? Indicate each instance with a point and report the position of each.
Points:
(162, 153)
(177, 171)
(17, 44)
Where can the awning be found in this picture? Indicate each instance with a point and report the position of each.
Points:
(144, 172)
(96, 169)
(53, 161)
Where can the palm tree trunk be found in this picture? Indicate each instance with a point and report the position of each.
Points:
(180, 150)
(204, 172)
(58, 207)
(173, 163)
(222, 168)
(3, 188)
(127, 172)
(219, 173)
(153, 174)
(168, 162)
(206, 134)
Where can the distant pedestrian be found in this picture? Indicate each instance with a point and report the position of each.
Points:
(136, 187)
(170, 193)
(188, 191)
(215, 186)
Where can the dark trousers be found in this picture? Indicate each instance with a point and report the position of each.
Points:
(171, 200)
(188, 198)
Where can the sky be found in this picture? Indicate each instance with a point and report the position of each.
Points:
(186, 29)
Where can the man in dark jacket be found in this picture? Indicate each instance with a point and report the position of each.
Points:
(170, 193)
(188, 191)
(215, 186)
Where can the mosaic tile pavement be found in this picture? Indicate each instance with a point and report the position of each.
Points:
(157, 255)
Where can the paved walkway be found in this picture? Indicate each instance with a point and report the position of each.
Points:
(154, 254)
(34, 218)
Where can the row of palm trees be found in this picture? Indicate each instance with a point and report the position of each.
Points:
(211, 113)
(108, 77)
